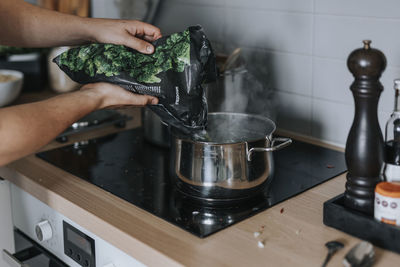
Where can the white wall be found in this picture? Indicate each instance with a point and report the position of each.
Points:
(304, 44)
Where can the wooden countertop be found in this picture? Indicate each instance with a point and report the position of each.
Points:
(294, 237)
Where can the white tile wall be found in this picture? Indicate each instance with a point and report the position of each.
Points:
(288, 32)
(386, 102)
(365, 8)
(104, 9)
(290, 72)
(331, 80)
(177, 16)
(201, 3)
(294, 112)
(331, 121)
(337, 36)
(299, 48)
(293, 73)
(279, 5)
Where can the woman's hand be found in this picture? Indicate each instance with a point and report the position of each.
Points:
(131, 33)
(112, 96)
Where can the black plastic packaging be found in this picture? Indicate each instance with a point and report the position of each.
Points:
(174, 73)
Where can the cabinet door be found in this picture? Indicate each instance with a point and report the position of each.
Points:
(6, 226)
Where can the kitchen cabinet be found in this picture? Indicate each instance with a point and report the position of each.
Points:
(6, 226)
(75, 7)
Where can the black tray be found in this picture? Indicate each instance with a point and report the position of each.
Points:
(358, 224)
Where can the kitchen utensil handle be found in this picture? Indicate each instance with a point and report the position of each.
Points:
(283, 142)
(328, 257)
(11, 260)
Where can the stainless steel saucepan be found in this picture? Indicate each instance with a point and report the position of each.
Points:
(232, 159)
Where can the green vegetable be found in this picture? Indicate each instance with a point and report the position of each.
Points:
(112, 60)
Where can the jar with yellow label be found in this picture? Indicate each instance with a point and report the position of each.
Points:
(387, 203)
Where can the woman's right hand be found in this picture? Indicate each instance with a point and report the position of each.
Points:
(113, 96)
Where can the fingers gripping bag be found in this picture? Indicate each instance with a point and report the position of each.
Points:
(174, 73)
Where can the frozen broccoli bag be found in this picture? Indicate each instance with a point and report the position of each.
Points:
(173, 73)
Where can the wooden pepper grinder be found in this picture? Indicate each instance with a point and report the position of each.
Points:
(364, 146)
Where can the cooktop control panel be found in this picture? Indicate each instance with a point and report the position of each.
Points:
(78, 246)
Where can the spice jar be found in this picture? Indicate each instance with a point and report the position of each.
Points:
(387, 203)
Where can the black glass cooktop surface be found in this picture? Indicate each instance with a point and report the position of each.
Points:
(137, 171)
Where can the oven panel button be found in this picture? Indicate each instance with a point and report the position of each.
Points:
(43, 231)
(79, 246)
(68, 252)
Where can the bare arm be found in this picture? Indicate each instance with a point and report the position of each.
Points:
(26, 128)
(23, 24)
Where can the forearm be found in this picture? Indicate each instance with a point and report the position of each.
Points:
(26, 128)
(25, 25)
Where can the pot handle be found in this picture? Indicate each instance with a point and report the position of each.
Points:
(283, 142)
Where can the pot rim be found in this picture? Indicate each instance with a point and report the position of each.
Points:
(267, 136)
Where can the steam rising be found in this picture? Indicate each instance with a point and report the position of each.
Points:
(239, 90)
(224, 128)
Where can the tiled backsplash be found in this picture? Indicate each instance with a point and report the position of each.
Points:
(304, 44)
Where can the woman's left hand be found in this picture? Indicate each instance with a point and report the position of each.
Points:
(131, 33)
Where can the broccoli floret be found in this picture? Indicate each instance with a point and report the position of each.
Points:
(110, 60)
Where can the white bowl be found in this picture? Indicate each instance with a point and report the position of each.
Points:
(9, 91)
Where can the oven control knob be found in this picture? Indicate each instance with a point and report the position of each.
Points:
(43, 231)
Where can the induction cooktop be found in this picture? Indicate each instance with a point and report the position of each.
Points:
(127, 166)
